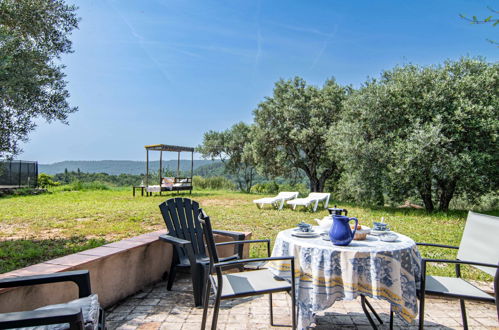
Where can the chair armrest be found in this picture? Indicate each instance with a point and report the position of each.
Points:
(421, 290)
(245, 261)
(174, 240)
(461, 262)
(80, 277)
(249, 241)
(233, 234)
(438, 245)
(70, 315)
(236, 236)
(244, 242)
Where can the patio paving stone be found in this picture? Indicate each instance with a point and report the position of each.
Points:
(155, 308)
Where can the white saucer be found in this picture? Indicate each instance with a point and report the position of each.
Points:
(379, 232)
(388, 237)
(305, 234)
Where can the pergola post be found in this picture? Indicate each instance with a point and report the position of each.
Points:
(160, 166)
(160, 170)
(192, 163)
(178, 165)
(147, 167)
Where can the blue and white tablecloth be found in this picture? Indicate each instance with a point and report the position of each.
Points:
(325, 272)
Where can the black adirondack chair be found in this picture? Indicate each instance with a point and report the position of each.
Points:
(82, 313)
(186, 234)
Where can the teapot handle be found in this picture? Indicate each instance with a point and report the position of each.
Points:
(356, 223)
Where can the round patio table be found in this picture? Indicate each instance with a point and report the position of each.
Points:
(371, 268)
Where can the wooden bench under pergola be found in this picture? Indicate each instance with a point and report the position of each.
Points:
(176, 183)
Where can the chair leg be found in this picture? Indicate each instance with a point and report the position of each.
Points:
(198, 277)
(368, 304)
(316, 205)
(364, 308)
(205, 303)
(463, 314)
(216, 310)
(102, 319)
(294, 309)
(76, 325)
(171, 277)
(421, 311)
(271, 310)
(391, 317)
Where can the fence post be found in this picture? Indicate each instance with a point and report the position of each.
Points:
(36, 174)
(20, 174)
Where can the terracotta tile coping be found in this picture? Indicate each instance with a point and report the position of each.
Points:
(72, 261)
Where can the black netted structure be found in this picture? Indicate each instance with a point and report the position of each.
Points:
(18, 174)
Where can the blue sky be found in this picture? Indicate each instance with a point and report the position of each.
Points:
(157, 71)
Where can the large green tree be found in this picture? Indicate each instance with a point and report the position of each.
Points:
(431, 130)
(291, 128)
(233, 148)
(33, 36)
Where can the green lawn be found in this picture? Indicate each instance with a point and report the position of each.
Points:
(42, 227)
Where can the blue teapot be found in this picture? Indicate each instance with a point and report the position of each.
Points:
(340, 232)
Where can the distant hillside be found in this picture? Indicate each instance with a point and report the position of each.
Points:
(216, 168)
(116, 167)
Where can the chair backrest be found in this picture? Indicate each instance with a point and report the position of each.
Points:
(287, 194)
(480, 241)
(181, 219)
(208, 235)
(318, 195)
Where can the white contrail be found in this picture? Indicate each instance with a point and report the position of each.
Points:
(141, 41)
(324, 46)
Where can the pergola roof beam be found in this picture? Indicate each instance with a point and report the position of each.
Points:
(166, 147)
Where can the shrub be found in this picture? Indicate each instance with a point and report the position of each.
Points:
(486, 202)
(302, 188)
(213, 183)
(22, 192)
(45, 181)
(265, 188)
(273, 188)
(81, 186)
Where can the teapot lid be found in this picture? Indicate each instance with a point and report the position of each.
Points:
(336, 211)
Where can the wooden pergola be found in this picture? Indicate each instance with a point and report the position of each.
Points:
(169, 148)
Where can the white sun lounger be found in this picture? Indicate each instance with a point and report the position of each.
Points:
(277, 201)
(311, 199)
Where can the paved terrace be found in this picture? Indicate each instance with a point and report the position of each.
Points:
(157, 308)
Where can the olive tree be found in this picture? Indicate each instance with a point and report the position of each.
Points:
(291, 129)
(33, 36)
(233, 148)
(426, 130)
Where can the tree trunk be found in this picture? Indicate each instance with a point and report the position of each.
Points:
(240, 183)
(314, 184)
(379, 198)
(447, 189)
(425, 193)
(248, 179)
